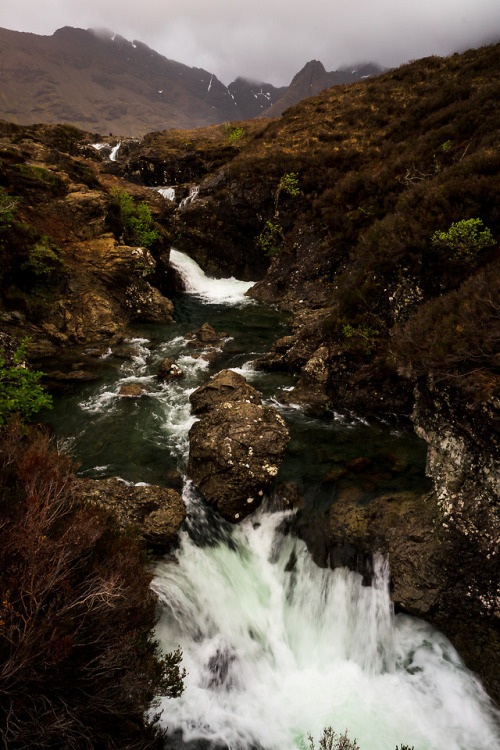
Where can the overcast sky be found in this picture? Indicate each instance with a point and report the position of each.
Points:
(271, 40)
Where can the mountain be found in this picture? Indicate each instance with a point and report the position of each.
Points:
(312, 79)
(101, 82)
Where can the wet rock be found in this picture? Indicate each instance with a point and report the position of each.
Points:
(77, 376)
(205, 335)
(225, 386)
(359, 464)
(168, 370)
(147, 304)
(156, 512)
(237, 446)
(286, 496)
(132, 390)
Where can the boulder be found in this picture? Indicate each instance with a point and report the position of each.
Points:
(156, 512)
(168, 370)
(132, 390)
(225, 386)
(205, 335)
(235, 452)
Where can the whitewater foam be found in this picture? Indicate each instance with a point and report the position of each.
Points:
(222, 291)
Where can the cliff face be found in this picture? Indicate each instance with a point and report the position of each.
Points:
(463, 462)
(68, 276)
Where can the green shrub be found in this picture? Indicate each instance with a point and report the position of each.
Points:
(271, 238)
(137, 222)
(43, 261)
(361, 337)
(233, 133)
(20, 389)
(464, 240)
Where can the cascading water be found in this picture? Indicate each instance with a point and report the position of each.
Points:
(274, 646)
(166, 192)
(228, 291)
(193, 193)
(114, 151)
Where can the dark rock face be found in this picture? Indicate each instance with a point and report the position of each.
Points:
(237, 446)
(157, 512)
(443, 547)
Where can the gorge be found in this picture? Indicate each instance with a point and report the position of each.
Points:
(324, 280)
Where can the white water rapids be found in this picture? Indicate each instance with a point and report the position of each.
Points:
(227, 291)
(275, 647)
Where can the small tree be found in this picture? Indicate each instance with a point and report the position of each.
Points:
(464, 240)
(20, 389)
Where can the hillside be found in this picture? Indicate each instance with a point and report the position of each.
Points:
(99, 81)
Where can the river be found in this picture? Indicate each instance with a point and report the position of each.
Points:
(274, 647)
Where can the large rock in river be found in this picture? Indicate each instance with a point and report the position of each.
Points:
(227, 385)
(156, 512)
(237, 446)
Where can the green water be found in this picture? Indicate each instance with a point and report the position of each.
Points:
(145, 439)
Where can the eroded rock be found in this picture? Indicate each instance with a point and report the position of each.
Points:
(237, 446)
(227, 385)
(156, 512)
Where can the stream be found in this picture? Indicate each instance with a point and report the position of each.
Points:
(275, 648)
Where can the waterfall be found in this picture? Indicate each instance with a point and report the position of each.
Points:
(275, 647)
(167, 192)
(190, 198)
(229, 290)
(114, 151)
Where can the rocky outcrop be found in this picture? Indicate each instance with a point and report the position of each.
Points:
(67, 275)
(156, 512)
(237, 446)
(205, 335)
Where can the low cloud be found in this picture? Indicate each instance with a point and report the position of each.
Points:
(272, 41)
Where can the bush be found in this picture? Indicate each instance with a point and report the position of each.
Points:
(330, 740)
(271, 238)
(20, 390)
(8, 205)
(44, 263)
(137, 222)
(463, 349)
(78, 664)
(464, 240)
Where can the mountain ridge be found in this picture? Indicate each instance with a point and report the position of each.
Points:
(99, 81)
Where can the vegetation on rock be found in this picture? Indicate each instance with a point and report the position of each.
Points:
(138, 226)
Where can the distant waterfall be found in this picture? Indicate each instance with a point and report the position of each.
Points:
(190, 198)
(114, 151)
(167, 192)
